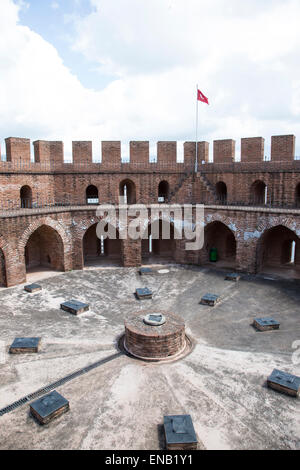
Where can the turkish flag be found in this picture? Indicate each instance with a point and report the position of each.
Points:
(202, 98)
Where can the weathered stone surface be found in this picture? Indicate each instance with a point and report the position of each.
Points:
(284, 382)
(143, 293)
(180, 433)
(25, 345)
(33, 288)
(49, 407)
(210, 299)
(75, 307)
(266, 324)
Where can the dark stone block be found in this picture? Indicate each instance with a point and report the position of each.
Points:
(234, 277)
(284, 382)
(143, 293)
(50, 406)
(146, 271)
(180, 433)
(75, 307)
(25, 345)
(33, 288)
(210, 299)
(265, 324)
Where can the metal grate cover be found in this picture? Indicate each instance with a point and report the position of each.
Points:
(59, 382)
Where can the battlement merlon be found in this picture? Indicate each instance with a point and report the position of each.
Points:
(17, 149)
(48, 151)
(283, 147)
(252, 149)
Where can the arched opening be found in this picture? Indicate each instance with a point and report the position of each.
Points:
(44, 251)
(3, 281)
(279, 252)
(221, 191)
(297, 195)
(258, 193)
(160, 246)
(163, 191)
(99, 251)
(92, 196)
(128, 192)
(26, 197)
(219, 245)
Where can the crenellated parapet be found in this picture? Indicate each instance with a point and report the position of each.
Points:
(49, 155)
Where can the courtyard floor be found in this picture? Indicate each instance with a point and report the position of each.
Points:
(121, 403)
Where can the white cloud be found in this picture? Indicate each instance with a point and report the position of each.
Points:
(244, 55)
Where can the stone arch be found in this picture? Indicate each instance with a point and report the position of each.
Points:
(221, 192)
(92, 194)
(26, 197)
(99, 251)
(220, 239)
(65, 252)
(44, 249)
(159, 250)
(278, 248)
(127, 189)
(258, 191)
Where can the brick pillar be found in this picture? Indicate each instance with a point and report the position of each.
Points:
(17, 150)
(167, 153)
(139, 152)
(283, 147)
(131, 252)
(82, 152)
(224, 151)
(111, 155)
(252, 149)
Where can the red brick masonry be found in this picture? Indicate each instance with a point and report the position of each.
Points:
(154, 342)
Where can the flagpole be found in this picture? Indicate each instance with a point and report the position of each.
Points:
(196, 161)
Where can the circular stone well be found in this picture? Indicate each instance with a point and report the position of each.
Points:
(147, 341)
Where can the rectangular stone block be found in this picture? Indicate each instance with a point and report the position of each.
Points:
(49, 407)
(33, 288)
(210, 299)
(284, 382)
(25, 345)
(180, 433)
(146, 271)
(234, 277)
(143, 293)
(74, 306)
(265, 324)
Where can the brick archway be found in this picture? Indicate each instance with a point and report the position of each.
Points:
(277, 245)
(58, 228)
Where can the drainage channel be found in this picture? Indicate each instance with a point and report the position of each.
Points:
(59, 382)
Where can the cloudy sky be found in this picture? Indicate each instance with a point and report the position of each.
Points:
(128, 69)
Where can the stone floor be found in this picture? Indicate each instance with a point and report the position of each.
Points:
(121, 404)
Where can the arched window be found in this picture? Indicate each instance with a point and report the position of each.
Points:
(26, 197)
(128, 192)
(221, 190)
(163, 191)
(297, 195)
(258, 193)
(92, 195)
